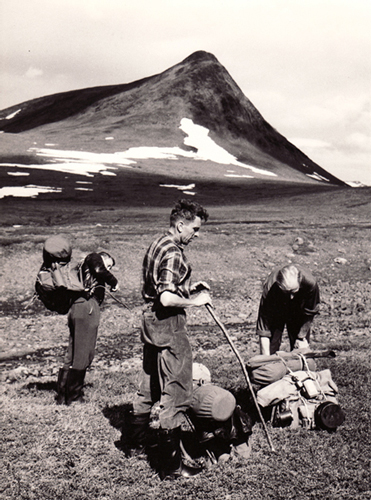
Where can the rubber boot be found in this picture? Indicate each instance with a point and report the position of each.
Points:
(61, 386)
(171, 466)
(74, 385)
(134, 434)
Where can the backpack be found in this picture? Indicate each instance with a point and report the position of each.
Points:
(303, 398)
(59, 281)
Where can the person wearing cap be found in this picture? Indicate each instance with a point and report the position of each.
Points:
(290, 298)
(167, 355)
(83, 321)
(220, 424)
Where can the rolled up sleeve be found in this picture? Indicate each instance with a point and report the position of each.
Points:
(168, 274)
(262, 326)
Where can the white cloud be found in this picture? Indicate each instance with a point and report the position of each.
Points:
(359, 140)
(33, 72)
(305, 142)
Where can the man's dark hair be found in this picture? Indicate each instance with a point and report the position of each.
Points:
(188, 210)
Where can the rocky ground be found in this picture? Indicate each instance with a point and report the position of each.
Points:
(237, 249)
(57, 452)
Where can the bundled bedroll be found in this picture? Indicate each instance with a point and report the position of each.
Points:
(265, 370)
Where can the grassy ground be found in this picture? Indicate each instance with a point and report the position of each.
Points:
(57, 452)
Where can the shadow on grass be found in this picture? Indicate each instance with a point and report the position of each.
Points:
(47, 386)
(42, 386)
(217, 437)
(118, 417)
(25, 307)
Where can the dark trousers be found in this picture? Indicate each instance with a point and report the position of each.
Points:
(167, 368)
(294, 325)
(83, 322)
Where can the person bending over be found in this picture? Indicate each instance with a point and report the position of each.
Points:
(290, 298)
(83, 322)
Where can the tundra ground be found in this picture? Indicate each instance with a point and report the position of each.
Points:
(57, 452)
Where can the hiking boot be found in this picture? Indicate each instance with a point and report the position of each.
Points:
(172, 466)
(134, 434)
(74, 385)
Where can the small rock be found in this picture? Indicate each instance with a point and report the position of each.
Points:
(340, 260)
(113, 369)
(299, 241)
(243, 316)
(17, 374)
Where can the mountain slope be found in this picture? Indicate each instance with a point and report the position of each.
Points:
(148, 112)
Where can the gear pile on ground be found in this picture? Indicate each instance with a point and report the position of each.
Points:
(297, 395)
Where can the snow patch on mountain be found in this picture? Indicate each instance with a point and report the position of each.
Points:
(88, 163)
(207, 149)
(12, 115)
(197, 137)
(29, 191)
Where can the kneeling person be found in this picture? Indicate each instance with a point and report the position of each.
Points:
(221, 426)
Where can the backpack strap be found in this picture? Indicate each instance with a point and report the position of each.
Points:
(311, 376)
(298, 383)
(31, 301)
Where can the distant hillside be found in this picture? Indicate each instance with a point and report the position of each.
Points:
(148, 112)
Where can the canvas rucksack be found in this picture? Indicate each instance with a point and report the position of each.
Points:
(59, 281)
(303, 398)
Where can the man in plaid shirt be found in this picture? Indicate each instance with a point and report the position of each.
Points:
(167, 355)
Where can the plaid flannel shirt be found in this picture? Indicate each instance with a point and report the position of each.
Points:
(165, 268)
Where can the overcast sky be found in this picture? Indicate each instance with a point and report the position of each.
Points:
(304, 64)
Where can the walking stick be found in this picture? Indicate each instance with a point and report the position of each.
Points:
(114, 298)
(221, 326)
